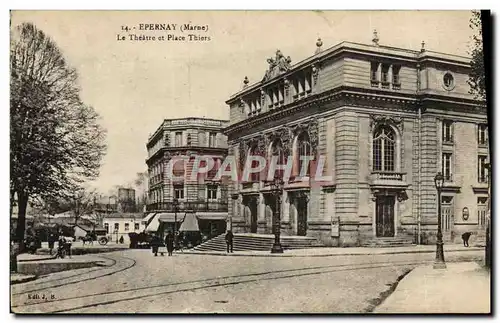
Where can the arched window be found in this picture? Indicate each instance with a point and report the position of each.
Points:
(384, 143)
(303, 149)
(277, 150)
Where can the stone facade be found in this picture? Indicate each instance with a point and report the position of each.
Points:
(186, 139)
(378, 116)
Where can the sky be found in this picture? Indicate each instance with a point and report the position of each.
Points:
(134, 85)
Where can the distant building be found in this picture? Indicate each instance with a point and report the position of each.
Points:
(126, 200)
(188, 137)
(121, 224)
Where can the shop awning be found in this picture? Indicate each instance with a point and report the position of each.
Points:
(154, 224)
(170, 217)
(190, 223)
(148, 217)
(212, 215)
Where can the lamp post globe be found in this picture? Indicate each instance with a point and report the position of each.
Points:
(439, 262)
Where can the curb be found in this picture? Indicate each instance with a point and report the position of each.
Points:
(322, 255)
(38, 259)
(23, 280)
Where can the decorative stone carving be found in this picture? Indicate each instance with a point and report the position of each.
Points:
(319, 43)
(166, 139)
(395, 121)
(242, 153)
(313, 131)
(287, 87)
(262, 98)
(315, 70)
(285, 136)
(277, 66)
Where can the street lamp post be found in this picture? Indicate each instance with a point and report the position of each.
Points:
(277, 189)
(175, 205)
(439, 262)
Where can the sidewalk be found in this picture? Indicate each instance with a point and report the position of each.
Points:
(462, 287)
(330, 251)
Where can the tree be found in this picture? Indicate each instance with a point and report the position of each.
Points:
(56, 142)
(477, 78)
(140, 184)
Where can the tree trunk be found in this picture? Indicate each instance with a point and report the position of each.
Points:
(22, 204)
(18, 247)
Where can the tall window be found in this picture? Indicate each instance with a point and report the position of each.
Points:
(178, 139)
(211, 139)
(447, 133)
(303, 150)
(211, 192)
(136, 227)
(179, 191)
(446, 166)
(384, 143)
(396, 82)
(276, 96)
(254, 177)
(374, 74)
(482, 135)
(106, 226)
(385, 74)
(278, 153)
(482, 170)
(302, 84)
(117, 226)
(127, 226)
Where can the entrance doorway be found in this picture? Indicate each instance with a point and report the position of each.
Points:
(447, 216)
(252, 205)
(302, 216)
(384, 219)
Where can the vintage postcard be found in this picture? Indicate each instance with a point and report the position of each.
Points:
(247, 162)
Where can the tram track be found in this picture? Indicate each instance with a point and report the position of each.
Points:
(74, 279)
(111, 297)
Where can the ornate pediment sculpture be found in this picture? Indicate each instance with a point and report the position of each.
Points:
(277, 66)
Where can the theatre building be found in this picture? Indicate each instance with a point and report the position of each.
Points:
(386, 120)
(170, 197)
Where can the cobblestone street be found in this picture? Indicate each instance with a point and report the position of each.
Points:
(137, 282)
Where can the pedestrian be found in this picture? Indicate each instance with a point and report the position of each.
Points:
(229, 241)
(68, 242)
(169, 242)
(466, 237)
(155, 244)
(51, 240)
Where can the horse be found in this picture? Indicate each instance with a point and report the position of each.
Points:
(88, 239)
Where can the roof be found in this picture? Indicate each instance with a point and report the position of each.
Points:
(135, 216)
(352, 47)
(90, 228)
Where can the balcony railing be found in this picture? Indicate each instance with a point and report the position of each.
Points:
(199, 206)
(388, 178)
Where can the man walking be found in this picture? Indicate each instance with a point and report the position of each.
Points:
(169, 242)
(229, 241)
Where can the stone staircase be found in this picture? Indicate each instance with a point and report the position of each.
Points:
(257, 242)
(398, 241)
